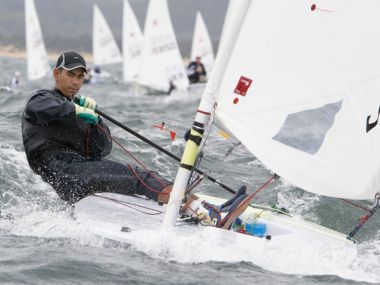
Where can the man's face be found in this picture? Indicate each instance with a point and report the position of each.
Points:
(69, 81)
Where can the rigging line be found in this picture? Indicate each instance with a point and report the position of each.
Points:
(133, 157)
(195, 182)
(199, 157)
(365, 218)
(130, 204)
(356, 205)
(212, 179)
(232, 148)
(151, 189)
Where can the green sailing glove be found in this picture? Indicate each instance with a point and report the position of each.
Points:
(88, 115)
(87, 102)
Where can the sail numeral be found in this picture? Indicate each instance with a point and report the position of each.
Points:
(369, 125)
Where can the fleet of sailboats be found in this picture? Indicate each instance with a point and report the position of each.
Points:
(153, 60)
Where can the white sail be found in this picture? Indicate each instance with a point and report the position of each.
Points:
(105, 49)
(161, 58)
(37, 58)
(202, 45)
(233, 21)
(132, 44)
(300, 90)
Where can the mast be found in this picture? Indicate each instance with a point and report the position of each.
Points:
(236, 11)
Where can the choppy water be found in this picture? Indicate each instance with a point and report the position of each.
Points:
(41, 243)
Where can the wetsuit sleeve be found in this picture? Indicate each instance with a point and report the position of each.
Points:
(44, 107)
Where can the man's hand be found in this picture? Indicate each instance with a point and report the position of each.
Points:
(87, 102)
(86, 114)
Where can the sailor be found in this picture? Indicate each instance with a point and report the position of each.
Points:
(196, 71)
(87, 76)
(65, 142)
(15, 80)
(171, 87)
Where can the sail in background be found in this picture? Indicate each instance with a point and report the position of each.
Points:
(161, 58)
(37, 58)
(105, 49)
(300, 91)
(202, 45)
(132, 44)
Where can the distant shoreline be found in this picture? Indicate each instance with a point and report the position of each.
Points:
(9, 51)
(12, 52)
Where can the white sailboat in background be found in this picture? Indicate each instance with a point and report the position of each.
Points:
(202, 45)
(37, 58)
(132, 44)
(105, 48)
(161, 61)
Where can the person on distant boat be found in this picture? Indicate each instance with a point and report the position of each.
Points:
(196, 71)
(171, 87)
(95, 75)
(87, 76)
(98, 76)
(65, 141)
(15, 81)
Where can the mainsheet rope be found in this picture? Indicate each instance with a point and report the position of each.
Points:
(132, 206)
(154, 175)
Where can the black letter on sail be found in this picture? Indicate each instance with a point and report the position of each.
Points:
(370, 126)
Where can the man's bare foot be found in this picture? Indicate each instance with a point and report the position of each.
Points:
(163, 197)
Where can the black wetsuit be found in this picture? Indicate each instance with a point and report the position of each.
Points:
(195, 77)
(68, 153)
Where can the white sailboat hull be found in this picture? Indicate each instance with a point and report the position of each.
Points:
(124, 218)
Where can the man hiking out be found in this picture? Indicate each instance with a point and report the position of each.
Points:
(65, 141)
